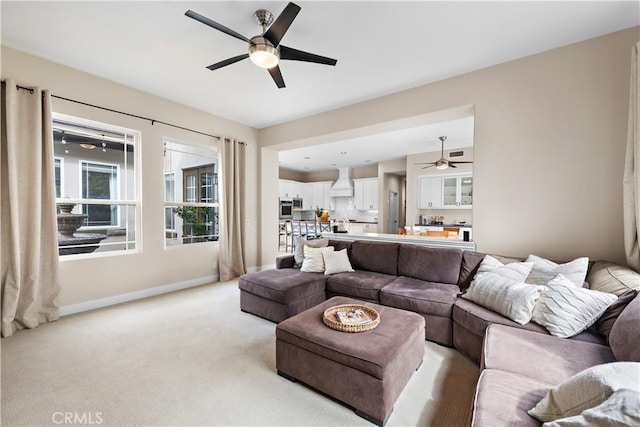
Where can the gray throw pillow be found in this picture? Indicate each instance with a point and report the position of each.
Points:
(299, 243)
(609, 317)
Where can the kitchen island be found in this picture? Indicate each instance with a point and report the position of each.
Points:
(433, 242)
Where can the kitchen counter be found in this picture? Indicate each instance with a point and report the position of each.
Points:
(434, 242)
(444, 225)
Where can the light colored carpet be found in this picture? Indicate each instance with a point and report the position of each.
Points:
(192, 358)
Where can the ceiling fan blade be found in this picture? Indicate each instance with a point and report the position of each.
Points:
(425, 163)
(282, 23)
(451, 165)
(277, 76)
(299, 55)
(228, 61)
(214, 24)
(430, 166)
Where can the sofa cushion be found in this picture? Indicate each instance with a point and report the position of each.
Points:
(284, 285)
(620, 409)
(512, 270)
(586, 390)
(544, 270)
(476, 318)
(470, 262)
(511, 298)
(624, 338)
(609, 317)
(379, 257)
(300, 242)
(440, 265)
(359, 284)
(540, 356)
(503, 399)
(340, 245)
(419, 296)
(613, 278)
(566, 310)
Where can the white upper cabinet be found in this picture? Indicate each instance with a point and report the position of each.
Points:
(290, 189)
(445, 192)
(429, 192)
(365, 196)
(457, 192)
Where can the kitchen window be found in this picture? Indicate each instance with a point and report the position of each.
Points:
(97, 186)
(191, 194)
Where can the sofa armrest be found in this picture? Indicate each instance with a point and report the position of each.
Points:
(285, 261)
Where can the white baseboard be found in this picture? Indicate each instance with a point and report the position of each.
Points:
(130, 296)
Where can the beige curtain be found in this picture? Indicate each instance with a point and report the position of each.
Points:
(631, 182)
(30, 281)
(231, 158)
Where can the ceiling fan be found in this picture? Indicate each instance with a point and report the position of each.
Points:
(265, 49)
(442, 163)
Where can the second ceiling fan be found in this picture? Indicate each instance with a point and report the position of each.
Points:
(265, 50)
(442, 163)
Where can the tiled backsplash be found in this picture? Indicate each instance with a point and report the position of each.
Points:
(451, 216)
(343, 209)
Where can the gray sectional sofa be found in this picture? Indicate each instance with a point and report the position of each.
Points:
(519, 362)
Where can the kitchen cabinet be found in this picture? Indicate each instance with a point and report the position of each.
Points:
(307, 197)
(430, 192)
(317, 195)
(457, 192)
(327, 202)
(365, 195)
(290, 189)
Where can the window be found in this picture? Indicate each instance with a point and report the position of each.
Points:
(169, 196)
(191, 194)
(97, 190)
(99, 181)
(58, 176)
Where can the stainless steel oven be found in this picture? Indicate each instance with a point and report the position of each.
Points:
(286, 208)
(297, 203)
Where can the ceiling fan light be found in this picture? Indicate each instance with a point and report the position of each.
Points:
(442, 165)
(263, 53)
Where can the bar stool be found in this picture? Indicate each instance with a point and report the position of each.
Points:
(312, 229)
(296, 230)
(325, 227)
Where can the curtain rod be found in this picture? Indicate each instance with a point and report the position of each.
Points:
(153, 121)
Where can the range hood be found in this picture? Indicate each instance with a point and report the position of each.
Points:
(343, 187)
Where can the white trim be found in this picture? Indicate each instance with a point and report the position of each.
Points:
(66, 310)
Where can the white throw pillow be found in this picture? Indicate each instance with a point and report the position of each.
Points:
(336, 262)
(300, 242)
(313, 260)
(566, 310)
(621, 409)
(510, 298)
(515, 270)
(586, 389)
(544, 270)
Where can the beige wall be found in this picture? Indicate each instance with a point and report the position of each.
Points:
(549, 145)
(88, 279)
(389, 180)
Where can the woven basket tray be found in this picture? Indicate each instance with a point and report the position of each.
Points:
(331, 319)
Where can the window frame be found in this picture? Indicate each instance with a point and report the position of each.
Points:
(135, 201)
(81, 163)
(182, 204)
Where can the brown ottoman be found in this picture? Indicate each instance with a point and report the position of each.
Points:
(280, 293)
(365, 370)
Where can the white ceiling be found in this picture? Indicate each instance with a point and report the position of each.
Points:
(383, 146)
(381, 47)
